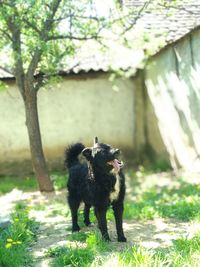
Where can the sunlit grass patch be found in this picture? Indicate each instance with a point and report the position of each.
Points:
(78, 255)
(95, 242)
(184, 252)
(8, 183)
(96, 253)
(59, 180)
(29, 183)
(68, 256)
(139, 256)
(78, 236)
(140, 211)
(182, 203)
(185, 245)
(15, 240)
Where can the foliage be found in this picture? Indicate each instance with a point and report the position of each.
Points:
(3, 86)
(17, 238)
(42, 35)
(40, 24)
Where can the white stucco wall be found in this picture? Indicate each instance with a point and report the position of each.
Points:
(77, 109)
(173, 86)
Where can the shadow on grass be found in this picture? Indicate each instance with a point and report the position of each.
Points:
(181, 202)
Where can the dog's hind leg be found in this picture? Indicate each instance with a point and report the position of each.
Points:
(74, 205)
(118, 212)
(102, 223)
(87, 214)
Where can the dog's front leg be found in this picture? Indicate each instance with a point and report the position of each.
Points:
(87, 214)
(118, 212)
(74, 205)
(102, 223)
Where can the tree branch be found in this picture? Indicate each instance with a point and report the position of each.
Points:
(79, 38)
(16, 45)
(43, 34)
(49, 21)
(32, 26)
(33, 65)
(178, 7)
(145, 5)
(42, 79)
(6, 34)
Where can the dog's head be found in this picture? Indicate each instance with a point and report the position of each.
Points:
(103, 156)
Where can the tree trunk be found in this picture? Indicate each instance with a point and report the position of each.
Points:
(37, 155)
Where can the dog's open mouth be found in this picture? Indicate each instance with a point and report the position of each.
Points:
(117, 165)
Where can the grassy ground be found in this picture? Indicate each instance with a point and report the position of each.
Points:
(17, 238)
(152, 199)
(95, 252)
(8, 183)
(29, 183)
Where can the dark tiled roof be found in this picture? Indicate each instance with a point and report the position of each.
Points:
(173, 20)
(5, 74)
(167, 24)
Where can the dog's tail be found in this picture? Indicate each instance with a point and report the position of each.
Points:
(71, 154)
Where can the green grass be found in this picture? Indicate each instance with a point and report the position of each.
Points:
(59, 180)
(96, 253)
(8, 183)
(17, 238)
(29, 183)
(79, 256)
(182, 203)
(65, 256)
(184, 252)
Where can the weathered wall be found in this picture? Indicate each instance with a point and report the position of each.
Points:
(78, 109)
(149, 146)
(153, 115)
(173, 87)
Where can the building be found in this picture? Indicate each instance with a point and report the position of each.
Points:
(151, 114)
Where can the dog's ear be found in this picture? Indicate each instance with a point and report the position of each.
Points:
(87, 153)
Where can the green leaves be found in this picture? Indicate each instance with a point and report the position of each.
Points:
(53, 27)
(3, 86)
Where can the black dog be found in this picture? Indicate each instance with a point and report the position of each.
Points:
(99, 183)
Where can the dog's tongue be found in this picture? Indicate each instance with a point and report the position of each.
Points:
(117, 165)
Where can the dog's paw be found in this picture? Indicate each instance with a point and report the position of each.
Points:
(75, 229)
(88, 223)
(106, 238)
(121, 239)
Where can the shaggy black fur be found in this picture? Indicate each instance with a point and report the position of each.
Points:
(94, 184)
